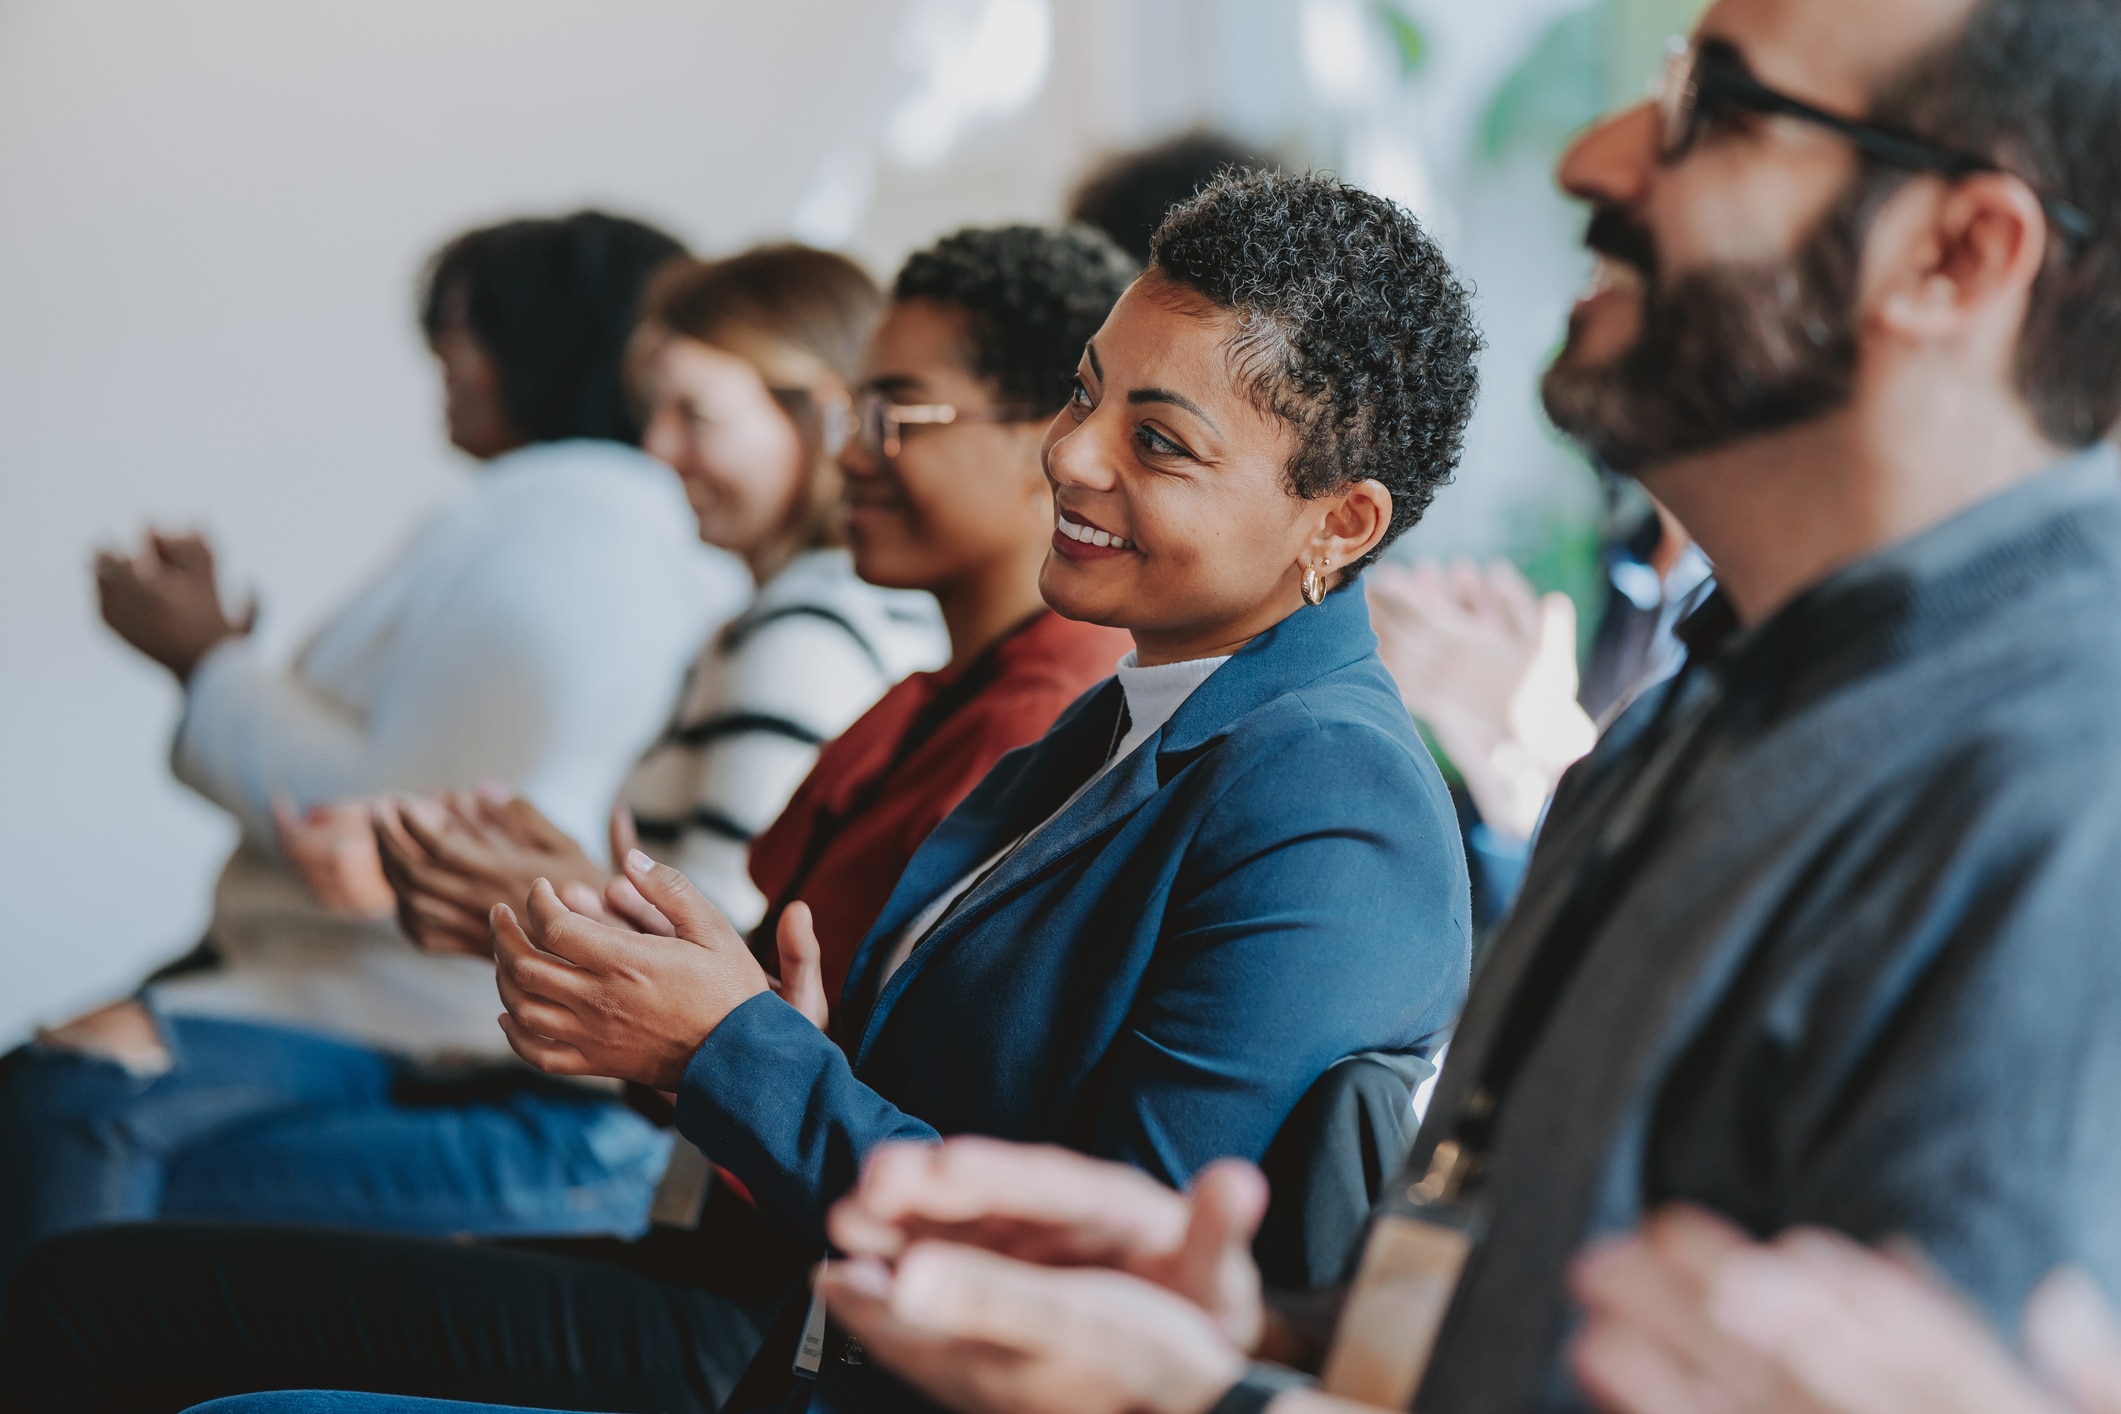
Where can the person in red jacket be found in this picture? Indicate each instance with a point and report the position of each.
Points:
(878, 790)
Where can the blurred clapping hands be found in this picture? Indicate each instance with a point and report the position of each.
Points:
(451, 858)
(165, 600)
(1491, 668)
(1688, 1315)
(1002, 1276)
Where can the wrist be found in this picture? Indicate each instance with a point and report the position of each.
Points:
(186, 664)
(1201, 1380)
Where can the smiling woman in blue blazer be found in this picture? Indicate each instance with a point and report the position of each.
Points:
(1147, 934)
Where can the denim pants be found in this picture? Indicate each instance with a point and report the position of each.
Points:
(261, 1123)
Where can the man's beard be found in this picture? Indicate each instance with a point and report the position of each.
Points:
(1724, 353)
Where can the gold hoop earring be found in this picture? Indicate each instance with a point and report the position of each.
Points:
(1314, 586)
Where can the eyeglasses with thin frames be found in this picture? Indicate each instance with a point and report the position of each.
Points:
(878, 421)
(1696, 84)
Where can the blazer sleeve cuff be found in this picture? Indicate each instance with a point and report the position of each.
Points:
(773, 1100)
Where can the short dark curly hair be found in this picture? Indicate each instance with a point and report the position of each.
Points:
(1352, 328)
(1033, 296)
(553, 302)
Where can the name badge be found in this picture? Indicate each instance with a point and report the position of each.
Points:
(810, 1352)
(1411, 1265)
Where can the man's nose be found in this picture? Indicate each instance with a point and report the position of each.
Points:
(1612, 161)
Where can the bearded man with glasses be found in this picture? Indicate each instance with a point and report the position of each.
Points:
(1822, 933)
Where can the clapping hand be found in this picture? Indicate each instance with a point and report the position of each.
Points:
(585, 997)
(1690, 1316)
(450, 859)
(333, 850)
(999, 1276)
(1492, 669)
(165, 600)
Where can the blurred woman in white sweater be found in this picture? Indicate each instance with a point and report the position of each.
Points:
(533, 634)
(744, 366)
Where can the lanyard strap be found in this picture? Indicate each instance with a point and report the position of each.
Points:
(1630, 828)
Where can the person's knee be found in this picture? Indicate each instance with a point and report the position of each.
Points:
(124, 1032)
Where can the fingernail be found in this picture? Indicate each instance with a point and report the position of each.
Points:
(496, 792)
(638, 862)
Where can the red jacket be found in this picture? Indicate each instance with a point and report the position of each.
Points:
(1025, 683)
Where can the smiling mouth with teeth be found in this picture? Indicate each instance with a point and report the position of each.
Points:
(1610, 272)
(1089, 535)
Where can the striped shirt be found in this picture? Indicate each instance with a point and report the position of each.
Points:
(814, 651)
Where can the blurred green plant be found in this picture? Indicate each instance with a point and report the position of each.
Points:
(1409, 45)
(1584, 63)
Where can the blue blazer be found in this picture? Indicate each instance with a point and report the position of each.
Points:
(1272, 881)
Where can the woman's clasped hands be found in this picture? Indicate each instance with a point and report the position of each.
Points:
(586, 995)
(589, 997)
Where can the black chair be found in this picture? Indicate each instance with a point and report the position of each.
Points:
(1347, 1137)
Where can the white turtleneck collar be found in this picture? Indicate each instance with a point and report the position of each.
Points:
(1154, 694)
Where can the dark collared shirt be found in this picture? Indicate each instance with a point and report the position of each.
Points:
(1857, 961)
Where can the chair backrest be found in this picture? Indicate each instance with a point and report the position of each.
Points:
(1347, 1137)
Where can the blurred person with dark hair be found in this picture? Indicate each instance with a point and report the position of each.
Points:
(941, 478)
(1820, 935)
(532, 634)
(1127, 196)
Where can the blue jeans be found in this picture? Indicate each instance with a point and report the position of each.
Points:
(259, 1123)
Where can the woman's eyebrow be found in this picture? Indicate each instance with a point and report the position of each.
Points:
(1097, 366)
(1165, 395)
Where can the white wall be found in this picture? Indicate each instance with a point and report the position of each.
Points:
(212, 213)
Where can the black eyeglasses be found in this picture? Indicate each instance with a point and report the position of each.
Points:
(1697, 84)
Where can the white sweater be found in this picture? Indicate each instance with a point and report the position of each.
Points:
(815, 650)
(533, 634)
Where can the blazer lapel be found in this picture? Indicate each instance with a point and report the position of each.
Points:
(1109, 801)
(1294, 653)
(1025, 787)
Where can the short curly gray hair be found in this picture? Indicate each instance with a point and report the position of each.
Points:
(1352, 328)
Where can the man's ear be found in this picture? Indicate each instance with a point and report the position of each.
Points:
(1952, 257)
